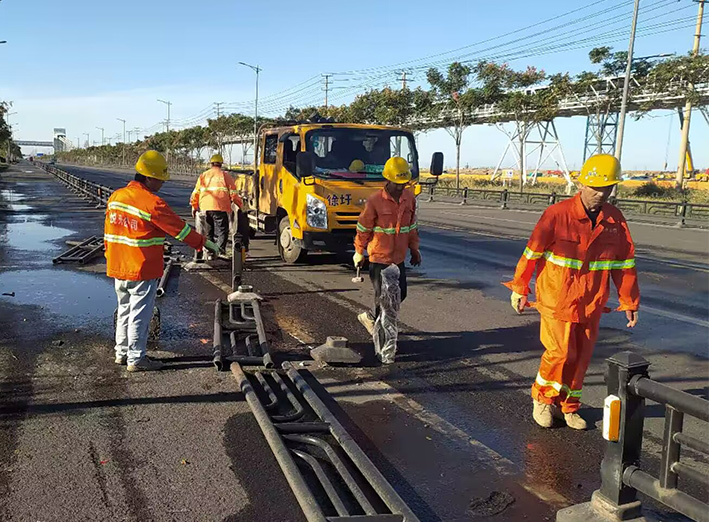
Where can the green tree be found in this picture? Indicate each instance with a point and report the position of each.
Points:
(452, 100)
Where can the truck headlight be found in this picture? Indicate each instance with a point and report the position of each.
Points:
(316, 212)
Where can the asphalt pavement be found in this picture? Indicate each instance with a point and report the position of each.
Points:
(449, 424)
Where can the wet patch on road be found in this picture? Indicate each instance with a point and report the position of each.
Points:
(76, 298)
(32, 234)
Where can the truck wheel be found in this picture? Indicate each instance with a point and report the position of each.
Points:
(289, 250)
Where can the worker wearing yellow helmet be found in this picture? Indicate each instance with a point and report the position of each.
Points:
(577, 248)
(137, 220)
(213, 195)
(387, 229)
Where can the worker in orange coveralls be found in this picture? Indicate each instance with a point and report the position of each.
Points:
(578, 246)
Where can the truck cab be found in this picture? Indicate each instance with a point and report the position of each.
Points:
(311, 182)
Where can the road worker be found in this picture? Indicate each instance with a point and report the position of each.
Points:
(213, 194)
(386, 229)
(136, 223)
(578, 246)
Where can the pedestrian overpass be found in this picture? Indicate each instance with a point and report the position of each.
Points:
(60, 142)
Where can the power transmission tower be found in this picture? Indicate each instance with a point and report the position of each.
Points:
(218, 106)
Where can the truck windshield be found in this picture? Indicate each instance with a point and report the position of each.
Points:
(359, 153)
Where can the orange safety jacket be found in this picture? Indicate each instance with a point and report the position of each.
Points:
(215, 190)
(576, 262)
(387, 228)
(134, 233)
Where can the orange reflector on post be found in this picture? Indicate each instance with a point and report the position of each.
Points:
(611, 418)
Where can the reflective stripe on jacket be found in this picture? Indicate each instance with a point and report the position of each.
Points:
(387, 229)
(215, 190)
(575, 262)
(134, 233)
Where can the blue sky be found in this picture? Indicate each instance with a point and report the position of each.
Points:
(81, 64)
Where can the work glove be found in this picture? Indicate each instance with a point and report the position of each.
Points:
(415, 258)
(518, 302)
(358, 259)
(211, 246)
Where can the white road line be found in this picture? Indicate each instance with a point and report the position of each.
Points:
(672, 315)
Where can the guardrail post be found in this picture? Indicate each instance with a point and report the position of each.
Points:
(552, 198)
(465, 196)
(614, 500)
(503, 198)
(430, 192)
(682, 213)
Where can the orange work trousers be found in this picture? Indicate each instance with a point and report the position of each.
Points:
(568, 351)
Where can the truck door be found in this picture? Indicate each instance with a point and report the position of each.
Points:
(268, 202)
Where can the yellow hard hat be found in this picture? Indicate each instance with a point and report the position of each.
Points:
(356, 166)
(601, 170)
(153, 165)
(216, 158)
(397, 170)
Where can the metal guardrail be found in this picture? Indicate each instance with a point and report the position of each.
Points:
(331, 477)
(681, 210)
(81, 186)
(621, 474)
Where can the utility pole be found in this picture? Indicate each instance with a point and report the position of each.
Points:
(136, 131)
(78, 142)
(102, 131)
(124, 141)
(88, 139)
(684, 143)
(403, 80)
(167, 122)
(167, 126)
(626, 85)
(327, 88)
(218, 106)
(257, 70)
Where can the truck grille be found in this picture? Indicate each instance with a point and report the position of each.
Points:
(347, 219)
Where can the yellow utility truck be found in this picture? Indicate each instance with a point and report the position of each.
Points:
(311, 181)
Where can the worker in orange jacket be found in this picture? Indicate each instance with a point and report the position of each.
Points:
(213, 194)
(578, 246)
(136, 223)
(386, 229)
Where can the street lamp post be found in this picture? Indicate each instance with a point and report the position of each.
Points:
(124, 140)
(257, 70)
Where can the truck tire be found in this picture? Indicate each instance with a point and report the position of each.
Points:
(289, 251)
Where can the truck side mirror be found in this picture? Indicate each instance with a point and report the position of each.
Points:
(304, 164)
(437, 164)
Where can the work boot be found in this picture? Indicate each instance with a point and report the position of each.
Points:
(543, 414)
(145, 364)
(367, 320)
(121, 359)
(575, 421)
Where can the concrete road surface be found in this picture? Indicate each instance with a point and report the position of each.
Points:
(449, 424)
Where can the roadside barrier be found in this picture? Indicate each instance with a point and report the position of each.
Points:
(621, 475)
(81, 186)
(680, 210)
